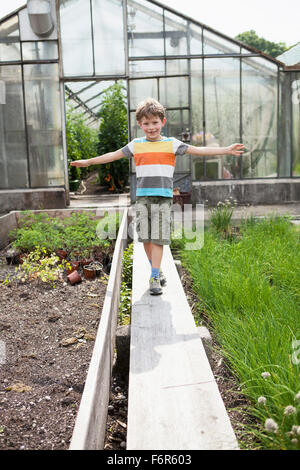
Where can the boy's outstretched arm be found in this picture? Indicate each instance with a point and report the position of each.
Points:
(234, 149)
(106, 158)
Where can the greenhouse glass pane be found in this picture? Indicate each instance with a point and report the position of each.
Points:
(197, 137)
(259, 117)
(173, 91)
(98, 89)
(141, 89)
(43, 114)
(214, 44)
(10, 40)
(91, 103)
(285, 124)
(40, 50)
(197, 101)
(176, 34)
(13, 152)
(195, 39)
(76, 37)
(109, 43)
(222, 110)
(145, 29)
(146, 68)
(296, 123)
(177, 66)
(177, 123)
(136, 131)
(79, 87)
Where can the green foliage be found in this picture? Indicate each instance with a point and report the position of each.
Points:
(127, 265)
(75, 234)
(37, 230)
(113, 135)
(81, 142)
(126, 286)
(250, 292)
(220, 217)
(38, 265)
(267, 47)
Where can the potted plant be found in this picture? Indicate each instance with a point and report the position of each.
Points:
(86, 257)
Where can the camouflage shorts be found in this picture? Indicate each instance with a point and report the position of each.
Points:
(153, 219)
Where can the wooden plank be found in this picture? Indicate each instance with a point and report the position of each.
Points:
(174, 402)
(90, 427)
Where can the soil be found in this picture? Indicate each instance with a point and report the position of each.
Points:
(116, 429)
(47, 337)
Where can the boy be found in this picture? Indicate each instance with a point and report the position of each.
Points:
(154, 157)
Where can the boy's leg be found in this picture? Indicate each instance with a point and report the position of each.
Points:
(148, 250)
(157, 253)
(154, 253)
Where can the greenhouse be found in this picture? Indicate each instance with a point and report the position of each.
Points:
(216, 91)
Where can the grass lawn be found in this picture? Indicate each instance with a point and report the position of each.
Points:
(250, 290)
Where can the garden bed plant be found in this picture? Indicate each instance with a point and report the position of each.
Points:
(247, 284)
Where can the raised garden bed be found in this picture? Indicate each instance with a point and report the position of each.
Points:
(48, 332)
(244, 287)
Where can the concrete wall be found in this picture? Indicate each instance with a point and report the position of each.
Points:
(32, 199)
(259, 191)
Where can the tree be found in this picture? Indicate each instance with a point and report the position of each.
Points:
(113, 135)
(250, 38)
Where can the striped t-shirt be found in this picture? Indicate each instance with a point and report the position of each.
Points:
(155, 164)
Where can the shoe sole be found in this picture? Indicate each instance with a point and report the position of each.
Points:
(155, 293)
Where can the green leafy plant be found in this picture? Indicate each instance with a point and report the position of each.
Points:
(37, 230)
(77, 233)
(113, 135)
(81, 142)
(250, 295)
(38, 265)
(220, 216)
(126, 286)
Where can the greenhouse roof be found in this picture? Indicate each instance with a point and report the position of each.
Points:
(292, 56)
(208, 28)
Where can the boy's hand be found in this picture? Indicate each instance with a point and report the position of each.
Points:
(79, 163)
(236, 149)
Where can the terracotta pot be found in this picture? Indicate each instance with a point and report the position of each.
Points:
(74, 277)
(89, 273)
(97, 266)
(74, 267)
(85, 262)
(22, 258)
(62, 254)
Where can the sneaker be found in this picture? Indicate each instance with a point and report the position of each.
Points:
(163, 280)
(155, 288)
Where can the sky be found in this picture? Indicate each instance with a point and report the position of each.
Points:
(275, 20)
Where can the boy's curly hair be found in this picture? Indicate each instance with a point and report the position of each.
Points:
(150, 107)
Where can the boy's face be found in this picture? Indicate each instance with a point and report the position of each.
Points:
(152, 126)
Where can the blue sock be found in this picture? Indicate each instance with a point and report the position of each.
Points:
(155, 273)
